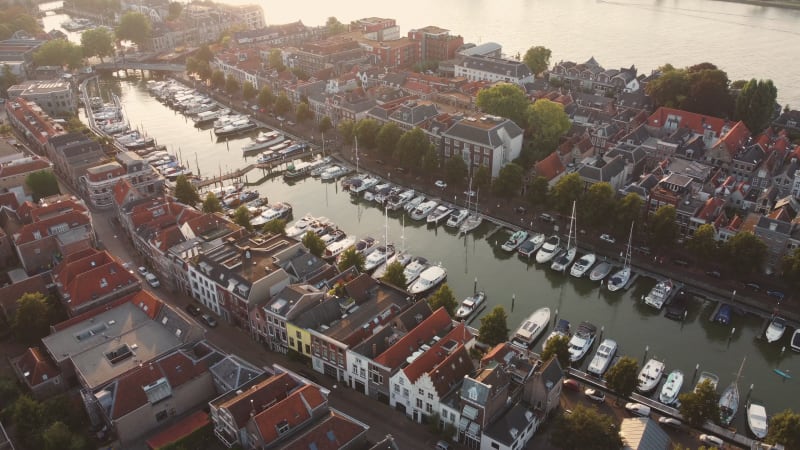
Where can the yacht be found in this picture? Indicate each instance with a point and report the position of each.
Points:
(266, 157)
(514, 240)
(563, 260)
(474, 220)
(413, 203)
(562, 328)
(620, 279)
(361, 185)
(396, 202)
(363, 246)
(775, 329)
(659, 294)
(457, 217)
(299, 228)
(729, 400)
(238, 126)
(600, 271)
(333, 172)
(672, 387)
(428, 279)
(423, 210)
(549, 249)
(417, 265)
(277, 211)
(711, 378)
(403, 258)
(531, 246)
(378, 257)
(757, 420)
(531, 328)
(581, 341)
(264, 140)
(438, 214)
(470, 305)
(209, 116)
(333, 235)
(336, 248)
(583, 265)
(650, 375)
(602, 359)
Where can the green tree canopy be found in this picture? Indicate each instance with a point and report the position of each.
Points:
(622, 376)
(42, 184)
(505, 100)
(670, 89)
(509, 181)
(627, 211)
(537, 59)
(211, 204)
(596, 204)
(482, 179)
(367, 131)
(411, 148)
(97, 42)
(443, 297)
(547, 122)
(175, 9)
(456, 171)
(494, 327)
(303, 112)
(585, 428)
(265, 97)
(567, 190)
(15, 18)
(199, 67)
(134, 27)
(185, 191)
(59, 52)
(241, 217)
(790, 266)
(746, 252)
(204, 53)
(351, 258)
(430, 159)
(275, 226)
(248, 90)
(784, 429)
(276, 60)
(663, 228)
(334, 26)
(231, 84)
(700, 405)
(29, 419)
(703, 244)
(57, 437)
(314, 244)
(218, 79)
(537, 191)
(282, 104)
(387, 138)
(557, 347)
(32, 319)
(7, 79)
(325, 124)
(395, 275)
(708, 91)
(347, 128)
(755, 104)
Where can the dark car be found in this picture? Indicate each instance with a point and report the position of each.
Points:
(572, 385)
(777, 295)
(714, 274)
(752, 286)
(193, 309)
(681, 262)
(210, 321)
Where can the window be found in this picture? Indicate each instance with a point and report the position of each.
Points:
(430, 395)
(496, 445)
(428, 408)
(421, 392)
(419, 403)
(405, 392)
(397, 388)
(297, 333)
(161, 415)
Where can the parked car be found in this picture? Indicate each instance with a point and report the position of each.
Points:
(711, 439)
(644, 250)
(669, 421)
(777, 295)
(544, 217)
(607, 238)
(681, 262)
(714, 274)
(209, 320)
(595, 395)
(152, 280)
(143, 270)
(442, 445)
(752, 286)
(572, 385)
(193, 309)
(440, 184)
(638, 409)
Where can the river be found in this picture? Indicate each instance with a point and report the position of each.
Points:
(502, 276)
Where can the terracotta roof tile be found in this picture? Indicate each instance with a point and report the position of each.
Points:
(443, 348)
(294, 410)
(180, 430)
(36, 368)
(550, 167)
(406, 345)
(28, 233)
(9, 200)
(40, 211)
(98, 282)
(11, 169)
(121, 190)
(735, 138)
(272, 389)
(693, 121)
(332, 433)
(81, 262)
(140, 299)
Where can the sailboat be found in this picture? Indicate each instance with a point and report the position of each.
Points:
(402, 256)
(620, 279)
(382, 253)
(475, 219)
(563, 261)
(729, 400)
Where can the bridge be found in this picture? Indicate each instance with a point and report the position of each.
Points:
(134, 65)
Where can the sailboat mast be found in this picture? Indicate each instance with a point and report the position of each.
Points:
(628, 251)
(356, 137)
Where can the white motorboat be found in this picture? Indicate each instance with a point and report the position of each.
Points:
(603, 357)
(457, 217)
(775, 329)
(650, 375)
(428, 279)
(402, 258)
(549, 249)
(320, 226)
(396, 202)
(795, 343)
(729, 400)
(532, 245)
(757, 420)
(581, 341)
(709, 377)
(209, 116)
(515, 240)
(562, 328)
(333, 235)
(336, 248)
(620, 279)
(413, 203)
(565, 258)
(672, 387)
(378, 257)
(421, 212)
(583, 265)
(334, 172)
(280, 210)
(266, 157)
(417, 265)
(359, 186)
(531, 328)
(300, 227)
(600, 271)
(474, 220)
(237, 126)
(470, 305)
(659, 294)
(438, 214)
(363, 246)
(264, 140)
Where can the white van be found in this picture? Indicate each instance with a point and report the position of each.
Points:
(638, 409)
(152, 280)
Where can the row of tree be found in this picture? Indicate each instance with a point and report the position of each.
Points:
(17, 18)
(410, 149)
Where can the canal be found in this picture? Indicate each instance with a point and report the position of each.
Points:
(637, 328)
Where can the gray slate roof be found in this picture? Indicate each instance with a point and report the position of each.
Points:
(464, 130)
(506, 67)
(641, 433)
(508, 425)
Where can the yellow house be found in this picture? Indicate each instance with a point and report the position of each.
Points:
(299, 339)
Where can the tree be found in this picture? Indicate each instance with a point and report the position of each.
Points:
(134, 27)
(324, 124)
(248, 90)
(456, 170)
(347, 128)
(395, 275)
(444, 298)
(97, 42)
(334, 26)
(509, 181)
(663, 228)
(482, 179)
(15, 18)
(494, 327)
(567, 190)
(670, 89)
(204, 53)
(241, 217)
(547, 122)
(185, 192)
(301, 74)
(28, 416)
(218, 79)
(9, 390)
(276, 60)
(282, 104)
(231, 84)
(430, 160)
(622, 377)
(557, 347)
(314, 244)
(746, 252)
(387, 138)
(175, 9)
(32, 319)
(505, 100)
(537, 191)
(585, 428)
(537, 59)
(59, 52)
(596, 204)
(265, 97)
(211, 204)
(7, 79)
(367, 132)
(703, 244)
(351, 258)
(275, 226)
(755, 104)
(57, 437)
(303, 112)
(784, 428)
(42, 184)
(628, 210)
(790, 266)
(700, 405)
(708, 91)
(411, 148)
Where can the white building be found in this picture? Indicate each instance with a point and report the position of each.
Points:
(485, 68)
(488, 141)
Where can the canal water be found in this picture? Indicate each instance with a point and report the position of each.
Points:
(504, 276)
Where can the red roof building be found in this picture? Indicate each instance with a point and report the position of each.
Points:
(38, 373)
(32, 122)
(14, 173)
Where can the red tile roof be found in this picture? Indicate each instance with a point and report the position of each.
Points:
(139, 299)
(40, 126)
(98, 282)
(121, 190)
(36, 368)
(24, 211)
(333, 433)
(11, 169)
(9, 200)
(28, 233)
(735, 138)
(273, 389)
(426, 362)
(693, 121)
(40, 211)
(497, 353)
(395, 355)
(180, 430)
(550, 167)
(711, 209)
(449, 372)
(81, 262)
(295, 409)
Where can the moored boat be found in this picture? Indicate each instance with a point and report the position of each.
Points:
(378, 257)
(417, 265)
(775, 330)
(581, 341)
(428, 279)
(531, 328)
(757, 420)
(709, 377)
(336, 248)
(457, 217)
(423, 210)
(600, 271)
(549, 249)
(583, 265)
(470, 305)
(729, 400)
(603, 357)
(438, 214)
(659, 294)
(532, 245)
(514, 240)
(620, 279)
(562, 328)
(650, 375)
(795, 343)
(672, 387)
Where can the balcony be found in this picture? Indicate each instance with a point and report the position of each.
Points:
(223, 435)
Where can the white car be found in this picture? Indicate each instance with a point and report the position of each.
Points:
(607, 238)
(440, 184)
(638, 409)
(594, 394)
(152, 280)
(711, 439)
(669, 421)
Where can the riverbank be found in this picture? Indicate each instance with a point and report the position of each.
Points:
(771, 3)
